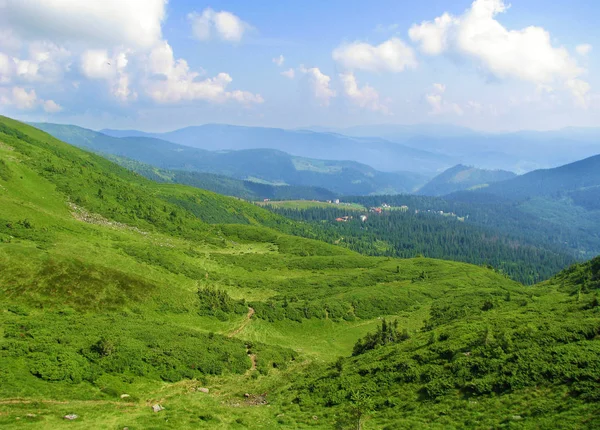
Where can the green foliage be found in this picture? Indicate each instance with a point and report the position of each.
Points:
(387, 333)
(218, 302)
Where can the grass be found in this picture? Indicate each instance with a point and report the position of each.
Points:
(103, 301)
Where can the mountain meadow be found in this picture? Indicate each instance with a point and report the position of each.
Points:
(131, 303)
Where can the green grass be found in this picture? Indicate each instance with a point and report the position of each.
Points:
(99, 298)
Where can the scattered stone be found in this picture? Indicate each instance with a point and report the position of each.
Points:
(157, 408)
(246, 395)
(30, 415)
(202, 390)
(517, 417)
(71, 417)
(124, 396)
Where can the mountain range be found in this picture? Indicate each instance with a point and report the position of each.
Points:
(127, 303)
(460, 178)
(269, 166)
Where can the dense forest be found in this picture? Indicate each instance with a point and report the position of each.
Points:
(407, 234)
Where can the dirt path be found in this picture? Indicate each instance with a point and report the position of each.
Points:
(244, 324)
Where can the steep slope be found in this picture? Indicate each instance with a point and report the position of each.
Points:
(487, 359)
(259, 165)
(460, 178)
(376, 152)
(550, 182)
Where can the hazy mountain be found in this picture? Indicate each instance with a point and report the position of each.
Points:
(374, 151)
(258, 165)
(554, 183)
(462, 177)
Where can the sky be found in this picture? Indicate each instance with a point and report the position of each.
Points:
(158, 65)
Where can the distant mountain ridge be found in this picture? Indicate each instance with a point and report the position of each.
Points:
(259, 165)
(376, 152)
(460, 177)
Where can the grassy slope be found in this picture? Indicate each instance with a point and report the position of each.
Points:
(99, 299)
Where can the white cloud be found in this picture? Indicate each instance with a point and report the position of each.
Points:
(100, 23)
(24, 99)
(438, 104)
(433, 36)
(51, 106)
(279, 60)
(319, 83)
(172, 81)
(583, 49)
(7, 68)
(289, 73)
(392, 55)
(526, 54)
(580, 90)
(97, 64)
(365, 97)
(225, 25)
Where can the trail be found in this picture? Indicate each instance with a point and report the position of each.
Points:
(244, 324)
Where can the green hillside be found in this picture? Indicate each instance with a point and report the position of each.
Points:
(460, 178)
(119, 294)
(247, 190)
(268, 166)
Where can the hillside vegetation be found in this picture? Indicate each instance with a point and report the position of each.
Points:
(120, 294)
(258, 164)
(460, 178)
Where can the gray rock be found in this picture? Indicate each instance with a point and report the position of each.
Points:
(157, 408)
(71, 417)
(202, 390)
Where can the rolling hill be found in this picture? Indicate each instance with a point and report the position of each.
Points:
(373, 151)
(460, 178)
(259, 165)
(127, 303)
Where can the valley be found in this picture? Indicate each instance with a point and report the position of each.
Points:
(145, 294)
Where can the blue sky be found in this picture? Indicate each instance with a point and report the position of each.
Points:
(157, 65)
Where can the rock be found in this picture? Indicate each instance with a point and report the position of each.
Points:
(246, 395)
(202, 390)
(157, 408)
(517, 417)
(30, 415)
(71, 417)
(124, 396)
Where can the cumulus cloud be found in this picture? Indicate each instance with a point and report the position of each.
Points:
(279, 60)
(97, 64)
(583, 49)
(50, 106)
(319, 84)
(224, 25)
(526, 54)
(289, 73)
(392, 55)
(172, 81)
(24, 99)
(100, 23)
(365, 97)
(433, 36)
